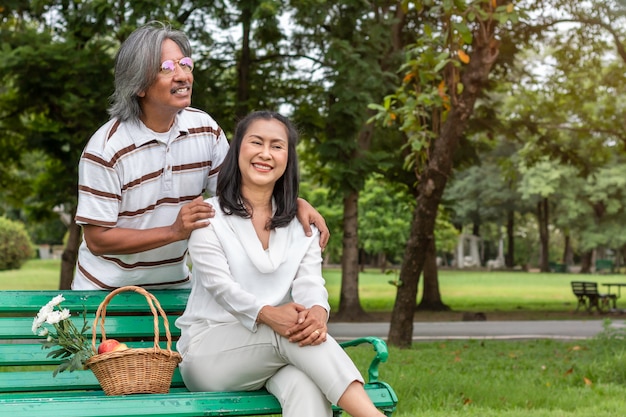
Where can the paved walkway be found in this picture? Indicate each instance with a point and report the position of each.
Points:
(496, 330)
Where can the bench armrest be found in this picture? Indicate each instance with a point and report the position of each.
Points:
(380, 347)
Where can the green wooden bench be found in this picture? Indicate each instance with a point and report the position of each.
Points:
(557, 267)
(605, 265)
(28, 389)
(589, 297)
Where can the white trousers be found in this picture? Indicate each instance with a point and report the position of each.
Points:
(306, 380)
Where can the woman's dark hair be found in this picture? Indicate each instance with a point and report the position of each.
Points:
(286, 188)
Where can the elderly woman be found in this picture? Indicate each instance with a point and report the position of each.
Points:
(258, 309)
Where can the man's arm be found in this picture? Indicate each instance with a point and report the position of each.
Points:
(307, 215)
(116, 240)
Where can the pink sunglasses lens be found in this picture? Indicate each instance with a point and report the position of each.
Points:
(168, 66)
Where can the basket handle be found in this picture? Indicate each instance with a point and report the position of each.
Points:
(152, 301)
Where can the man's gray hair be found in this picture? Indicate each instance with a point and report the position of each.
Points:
(137, 66)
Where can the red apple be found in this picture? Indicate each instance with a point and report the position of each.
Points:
(107, 346)
(121, 346)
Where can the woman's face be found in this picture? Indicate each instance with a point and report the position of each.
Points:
(263, 153)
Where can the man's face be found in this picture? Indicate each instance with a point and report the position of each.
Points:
(169, 93)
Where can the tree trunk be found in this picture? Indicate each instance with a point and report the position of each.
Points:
(244, 62)
(432, 182)
(69, 256)
(431, 298)
(544, 234)
(382, 261)
(585, 262)
(349, 303)
(510, 234)
(568, 252)
(401, 328)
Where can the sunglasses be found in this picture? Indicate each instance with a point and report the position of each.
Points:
(169, 67)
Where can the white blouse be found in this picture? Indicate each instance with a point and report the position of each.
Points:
(233, 277)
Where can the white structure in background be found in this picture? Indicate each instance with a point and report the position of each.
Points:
(468, 251)
(499, 261)
(66, 218)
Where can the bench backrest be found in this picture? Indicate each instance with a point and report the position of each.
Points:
(581, 288)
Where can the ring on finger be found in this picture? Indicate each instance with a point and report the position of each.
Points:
(317, 332)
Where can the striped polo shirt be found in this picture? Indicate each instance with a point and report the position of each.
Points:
(132, 177)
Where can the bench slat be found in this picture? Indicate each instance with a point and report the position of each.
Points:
(32, 301)
(173, 404)
(44, 381)
(31, 354)
(177, 403)
(115, 326)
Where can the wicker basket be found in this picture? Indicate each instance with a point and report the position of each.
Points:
(134, 371)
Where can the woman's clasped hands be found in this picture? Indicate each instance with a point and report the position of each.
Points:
(305, 326)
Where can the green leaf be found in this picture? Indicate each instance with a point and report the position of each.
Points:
(464, 31)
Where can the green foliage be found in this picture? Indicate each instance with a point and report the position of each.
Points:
(432, 71)
(572, 150)
(15, 245)
(446, 235)
(55, 97)
(591, 207)
(331, 209)
(385, 217)
(526, 238)
(385, 214)
(51, 231)
(354, 48)
(481, 193)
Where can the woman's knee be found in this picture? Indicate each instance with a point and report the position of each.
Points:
(298, 394)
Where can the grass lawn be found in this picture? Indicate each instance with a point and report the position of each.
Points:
(542, 378)
(475, 378)
(36, 274)
(500, 295)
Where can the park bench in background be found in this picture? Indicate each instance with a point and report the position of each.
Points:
(587, 294)
(557, 267)
(28, 389)
(603, 265)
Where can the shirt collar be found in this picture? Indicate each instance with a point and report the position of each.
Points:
(145, 135)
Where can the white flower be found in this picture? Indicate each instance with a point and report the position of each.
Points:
(57, 316)
(69, 341)
(65, 314)
(54, 317)
(36, 324)
(45, 310)
(48, 315)
(41, 317)
(56, 300)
